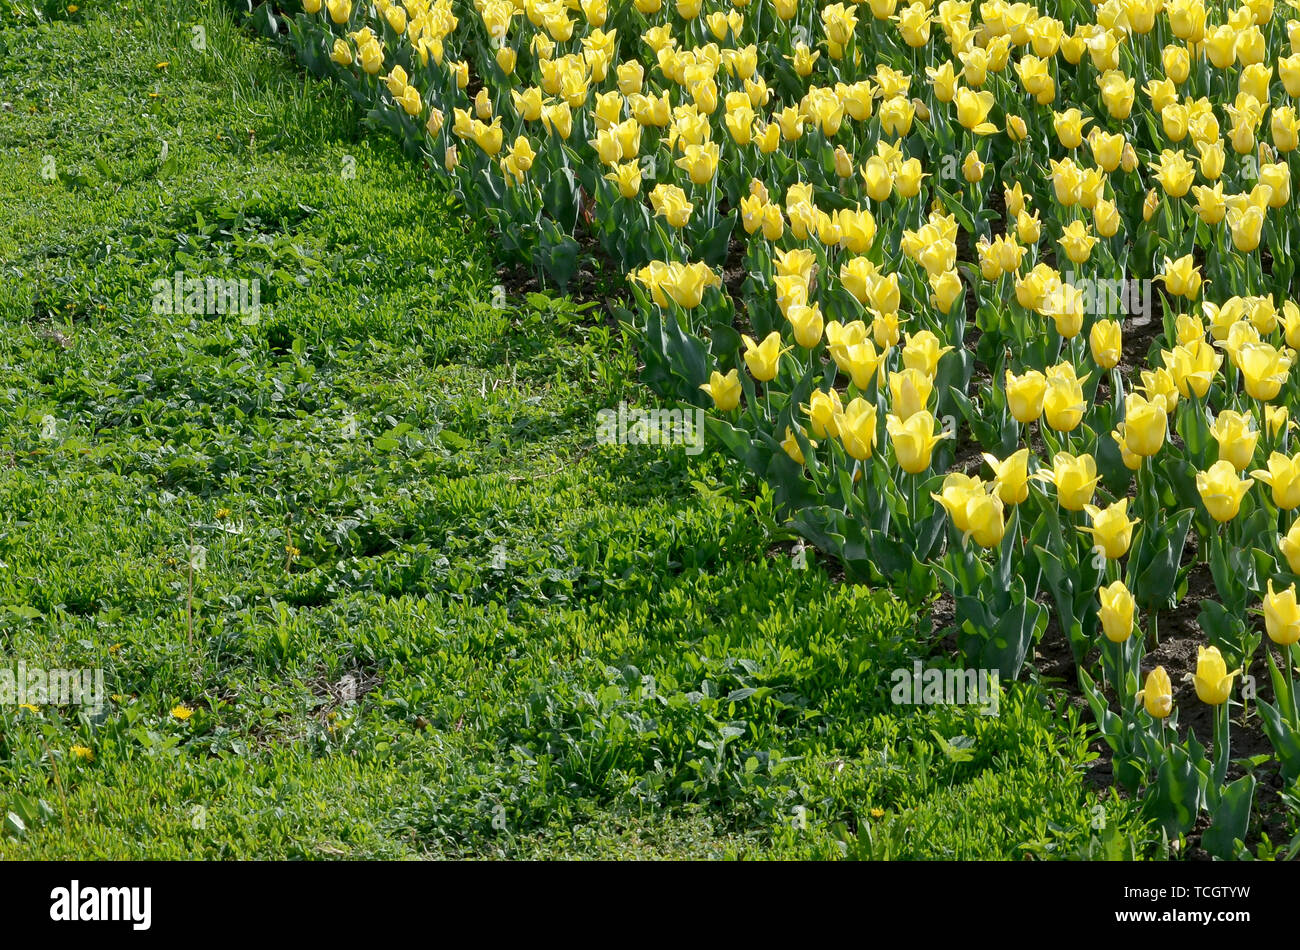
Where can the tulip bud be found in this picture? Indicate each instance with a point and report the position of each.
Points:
(1117, 612)
(1282, 615)
(1157, 695)
(1212, 680)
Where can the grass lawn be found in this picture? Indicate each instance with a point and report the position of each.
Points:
(429, 615)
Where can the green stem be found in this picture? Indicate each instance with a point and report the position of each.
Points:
(1222, 743)
(1290, 686)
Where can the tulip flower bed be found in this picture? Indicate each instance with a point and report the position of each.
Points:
(906, 256)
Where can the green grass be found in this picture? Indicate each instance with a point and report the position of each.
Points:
(560, 649)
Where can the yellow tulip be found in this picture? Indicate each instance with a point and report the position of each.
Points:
(1077, 242)
(807, 323)
(956, 491)
(914, 25)
(1276, 420)
(1034, 287)
(1118, 610)
(1283, 476)
(1105, 341)
(1177, 63)
(1210, 205)
(724, 390)
(909, 391)
(1282, 615)
(1069, 127)
(1221, 47)
(1107, 218)
(1150, 204)
(822, 410)
(1157, 696)
(1145, 425)
(1011, 476)
(973, 109)
(1182, 277)
(943, 81)
(1112, 529)
(922, 352)
(1075, 478)
(1288, 70)
(371, 56)
(1117, 93)
(1276, 176)
(1212, 159)
(985, 520)
(791, 445)
(1067, 181)
(1159, 387)
(1107, 149)
(1063, 403)
(763, 359)
(339, 10)
(857, 230)
(856, 427)
(670, 203)
(630, 75)
(914, 440)
(1174, 172)
(862, 363)
(1028, 227)
(1264, 369)
(627, 178)
(1221, 490)
(1193, 365)
(686, 283)
(1289, 545)
(1025, 395)
(1236, 437)
(1246, 225)
(700, 162)
(878, 179)
(1187, 21)
(1212, 680)
(1015, 199)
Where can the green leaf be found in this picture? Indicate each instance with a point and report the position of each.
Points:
(1285, 739)
(1231, 818)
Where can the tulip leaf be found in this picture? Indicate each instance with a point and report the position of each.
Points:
(1061, 586)
(1115, 475)
(1178, 793)
(833, 531)
(1157, 577)
(1284, 737)
(1281, 688)
(984, 432)
(1004, 642)
(713, 244)
(1223, 629)
(1231, 818)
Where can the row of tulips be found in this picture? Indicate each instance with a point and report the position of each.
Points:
(906, 255)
